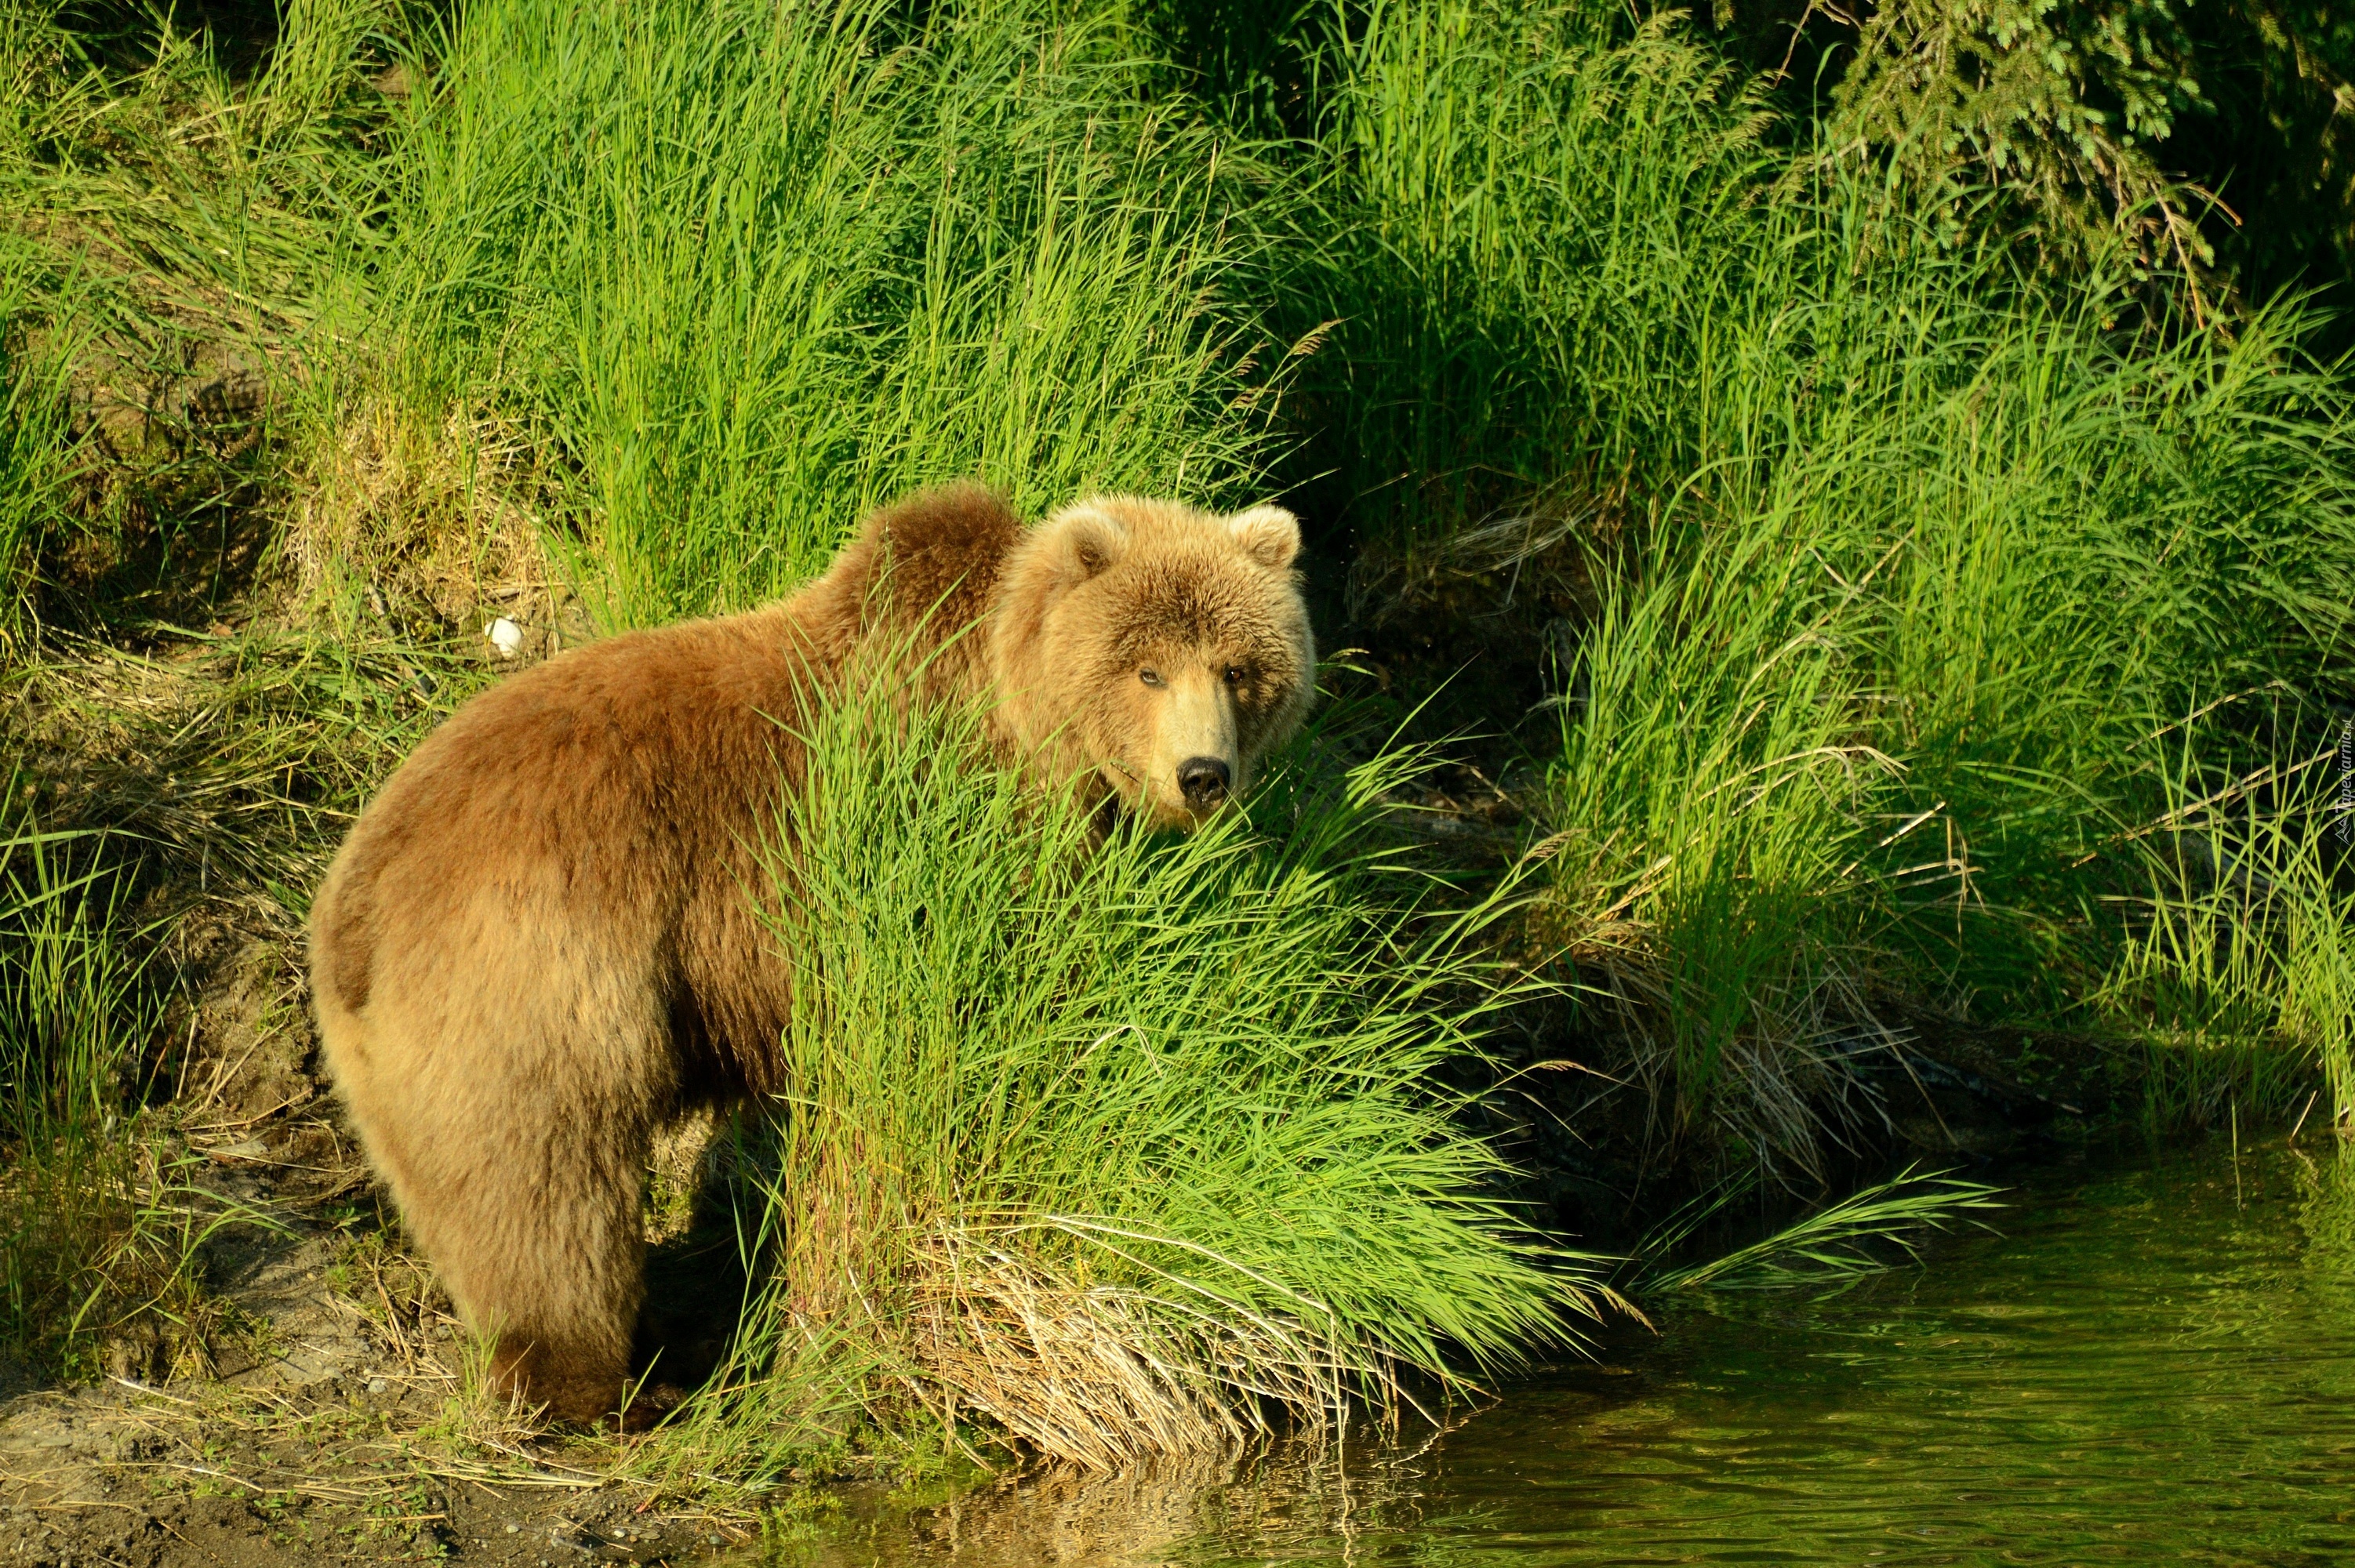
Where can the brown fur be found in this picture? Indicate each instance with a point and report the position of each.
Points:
(536, 948)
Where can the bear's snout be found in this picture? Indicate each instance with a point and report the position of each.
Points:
(1203, 781)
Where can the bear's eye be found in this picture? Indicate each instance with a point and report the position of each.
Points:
(1150, 677)
(1236, 674)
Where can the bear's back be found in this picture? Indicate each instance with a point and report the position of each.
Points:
(626, 784)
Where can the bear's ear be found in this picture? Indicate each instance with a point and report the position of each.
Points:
(1268, 534)
(1088, 542)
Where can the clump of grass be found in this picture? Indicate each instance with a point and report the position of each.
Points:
(397, 509)
(35, 451)
(1845, 1240)
(187, 238)
(1123, 1151)
(99, 1231)
(197, 207)
(2238, 967)
(1708, 806)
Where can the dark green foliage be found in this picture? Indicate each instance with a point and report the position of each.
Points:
(2207, 140)
(1890, 556)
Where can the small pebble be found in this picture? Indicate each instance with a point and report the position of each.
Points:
(376, 1385)
(511, 1529)
(506, 636)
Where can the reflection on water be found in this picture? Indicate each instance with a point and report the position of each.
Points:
(2149, 1365)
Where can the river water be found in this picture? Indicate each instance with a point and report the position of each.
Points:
(2149, 1360)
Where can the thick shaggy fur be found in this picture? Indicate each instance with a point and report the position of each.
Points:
(538, 946)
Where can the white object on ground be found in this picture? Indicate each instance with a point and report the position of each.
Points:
(506, 636)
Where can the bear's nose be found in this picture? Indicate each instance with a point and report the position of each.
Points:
(1204, 782)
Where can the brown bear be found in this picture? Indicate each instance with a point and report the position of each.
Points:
(538, 946)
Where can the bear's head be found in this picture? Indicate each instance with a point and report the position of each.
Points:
(1161, 650)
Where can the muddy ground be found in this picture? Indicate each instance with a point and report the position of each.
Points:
(80, 1498)
(335, 1441)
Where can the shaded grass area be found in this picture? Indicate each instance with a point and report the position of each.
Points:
(1888, 596)
(93, 1243)
(1888, 669)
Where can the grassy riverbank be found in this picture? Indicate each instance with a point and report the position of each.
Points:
(1880, 679)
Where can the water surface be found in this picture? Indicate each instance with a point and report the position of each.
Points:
(2150, 1363)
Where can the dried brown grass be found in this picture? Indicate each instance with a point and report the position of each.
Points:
(1104, 1375)
(448, 515)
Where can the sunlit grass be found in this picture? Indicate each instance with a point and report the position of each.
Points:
(1127, 1150)
(747, 270)
(1869, 1232)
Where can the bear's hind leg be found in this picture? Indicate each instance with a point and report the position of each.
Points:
(577, 1380)
(563, 1299)
(534, 1228)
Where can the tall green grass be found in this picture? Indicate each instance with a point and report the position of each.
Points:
(183, 249)
(1709, 809)
(1526, 235)
(36, 443)
(1913, 668)
(2242, 954)
(192, 206)
(98, 1256)
(1124, 1151)
(747, 271)
(161, 226)
(1883, 565)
